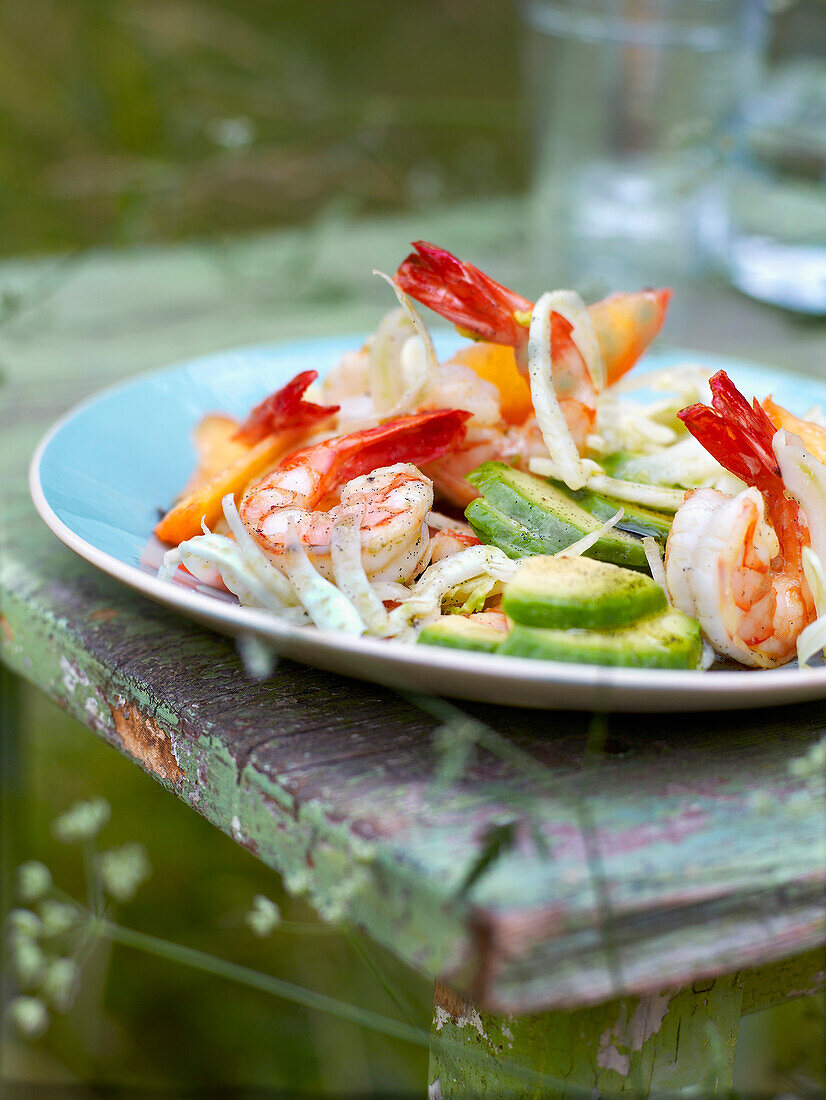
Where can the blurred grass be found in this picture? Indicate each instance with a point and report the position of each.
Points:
(134, 120)
(141, 1022)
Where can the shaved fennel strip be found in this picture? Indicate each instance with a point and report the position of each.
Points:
(413, 394)
(813, 637)
(552, 424)
(578, 548)
(169, 566)
(425, 599)
(568, 304)
(348, 570)
(390, 590)
(327, 607)
(217, 552)
(708, 656)
(632, 492)
(254, 556)
(655, 562)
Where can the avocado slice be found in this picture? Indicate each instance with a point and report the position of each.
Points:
(637, 520)
(670, 640)
(579, 592)
(460, 632)
(497, 529)
(549, 515)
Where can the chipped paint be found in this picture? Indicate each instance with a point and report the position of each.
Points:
(73, 676)
(632, 1035)
(104, 615)
(144, 739)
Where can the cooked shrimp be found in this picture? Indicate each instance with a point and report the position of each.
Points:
(448, 542)
(623, 325)
(735, 563)
(393, 498)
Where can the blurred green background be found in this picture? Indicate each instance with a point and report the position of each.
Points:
(133, 121)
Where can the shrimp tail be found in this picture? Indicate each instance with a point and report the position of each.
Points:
(479, 307)
(739, 436)
(624, 323)
(286, 408)
(416, 440)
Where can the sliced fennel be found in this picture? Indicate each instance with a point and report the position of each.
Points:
(632, 492)
(327, 607)
(578, 548)
(549, 416)
(569, 304)
(655, 562)
(425, 597)
(407, 400)
(350, 577)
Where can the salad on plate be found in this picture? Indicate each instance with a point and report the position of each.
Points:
(529, 496)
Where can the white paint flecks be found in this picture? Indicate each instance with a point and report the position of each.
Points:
(618, 1043)
(468, 1017)
(608, 1054)
(647, 1018)
(73, 676)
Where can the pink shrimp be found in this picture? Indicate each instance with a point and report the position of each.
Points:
(378, 471)
(625, 324)
(735, 563)
(482, 309)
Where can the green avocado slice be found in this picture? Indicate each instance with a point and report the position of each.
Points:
(579, 592)
(549, 515)
(460, 632)
(637, 519)
(670, 640)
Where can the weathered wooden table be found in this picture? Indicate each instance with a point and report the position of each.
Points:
(598, 902)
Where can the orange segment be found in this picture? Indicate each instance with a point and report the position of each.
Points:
(813, 436)
(496, 364)
(183, 521)
(625, 325)
(215, 448)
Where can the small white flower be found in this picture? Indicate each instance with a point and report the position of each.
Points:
(24, 924)
(59, 980)
(264, 917)
(83, 821)
(29, 1016)
(28, 961)
(57, 917)
(122, 870)
(33, 880)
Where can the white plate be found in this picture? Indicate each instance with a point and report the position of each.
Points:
(102, 472)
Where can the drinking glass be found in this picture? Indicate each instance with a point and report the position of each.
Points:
(632, 100)
(773, 195)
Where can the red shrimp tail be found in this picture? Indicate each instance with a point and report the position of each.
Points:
(416, 439)
(286, 408)
(737, 434)
(463, 294)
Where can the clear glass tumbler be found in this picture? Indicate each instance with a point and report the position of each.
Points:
(772, 198)
(631, 102)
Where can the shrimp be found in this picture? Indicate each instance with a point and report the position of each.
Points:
(378, 471)
(623, 324)
(735, 563)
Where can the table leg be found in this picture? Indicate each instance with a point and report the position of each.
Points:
(636, 1046)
